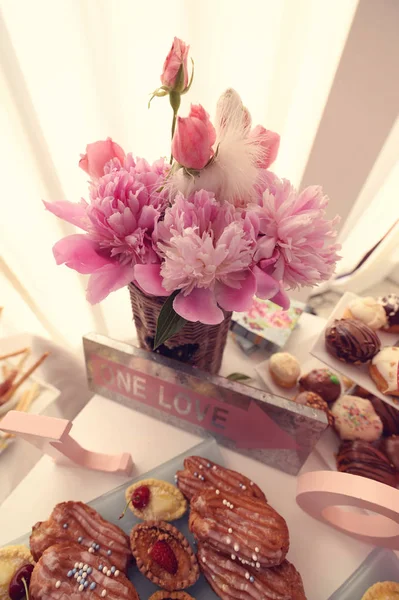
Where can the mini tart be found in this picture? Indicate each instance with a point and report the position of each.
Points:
(166, 502)
(12, 558)
(143, 538)
(171, 596)
(385, 590)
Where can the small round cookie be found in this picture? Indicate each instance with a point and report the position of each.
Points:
(390, 304)
(384, 370)
(367, 310)
(12, 559)
(155, 500)
(356, 419)
(284, 369)
(351, 341)
(384, 590)
(315, 401)
(323, 382)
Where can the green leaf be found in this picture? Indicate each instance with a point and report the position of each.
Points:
(238, 377)
(169, 322)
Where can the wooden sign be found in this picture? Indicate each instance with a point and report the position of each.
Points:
(266, 427)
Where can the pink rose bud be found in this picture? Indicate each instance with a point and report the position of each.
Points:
(175, 74)
(269, 143)
(193, 139)
(98, 154)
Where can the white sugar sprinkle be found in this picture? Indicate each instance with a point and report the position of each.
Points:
(81, 587)
(247, 575)
(256, 549)
(236, 547)
(58, 584)
(230, 530)
(109, 573)
(105, 570)
(103, 593)
(217, 492)
(258, 565)
(116, 573)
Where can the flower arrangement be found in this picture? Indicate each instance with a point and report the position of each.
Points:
(208, 230)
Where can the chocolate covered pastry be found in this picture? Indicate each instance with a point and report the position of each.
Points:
(390, 446)
(364, 459)
(79, 523)
(231, 580)
(351, 341)
(248, 530)
(388, 415)
(323, 382)
(69, 570)
(163, 555)
(200, 474)
(390, 304)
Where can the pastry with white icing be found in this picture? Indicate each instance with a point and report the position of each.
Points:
(367, 310)
(384, 370)
(356, 419)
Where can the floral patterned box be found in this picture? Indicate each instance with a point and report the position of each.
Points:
(265, 324)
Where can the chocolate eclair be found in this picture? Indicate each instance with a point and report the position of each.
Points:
(388, 415)
(364, 459)
(352, 341)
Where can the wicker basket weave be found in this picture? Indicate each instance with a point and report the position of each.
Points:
(196, 344)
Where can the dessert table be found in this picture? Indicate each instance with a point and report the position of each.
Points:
(324, 556)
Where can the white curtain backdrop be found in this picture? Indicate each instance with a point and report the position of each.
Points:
(76, 71)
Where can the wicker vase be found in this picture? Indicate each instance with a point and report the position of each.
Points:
(196, 344)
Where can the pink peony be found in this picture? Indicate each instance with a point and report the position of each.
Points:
(175, 72)
(125, 204)
(207, 251)
(193, 139)
(97, 155)
(296, 243)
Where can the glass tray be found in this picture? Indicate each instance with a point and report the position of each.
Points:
(380, 565)
(111, 505)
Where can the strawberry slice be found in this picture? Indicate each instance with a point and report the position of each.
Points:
(164, 556)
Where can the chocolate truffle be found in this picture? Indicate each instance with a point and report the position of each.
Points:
(388, 415)
(315, 401)
(352, 341)
(391, 449)
(362, 458)
(322, 382)
(390, 304)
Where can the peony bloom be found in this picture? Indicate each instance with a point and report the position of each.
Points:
(175, 72)
(119, 221)
(97, 155)
(193, 139)
(239, 153)
(207, 251)
(296, 242)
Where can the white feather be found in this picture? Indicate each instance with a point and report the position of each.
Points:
(233, 171)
